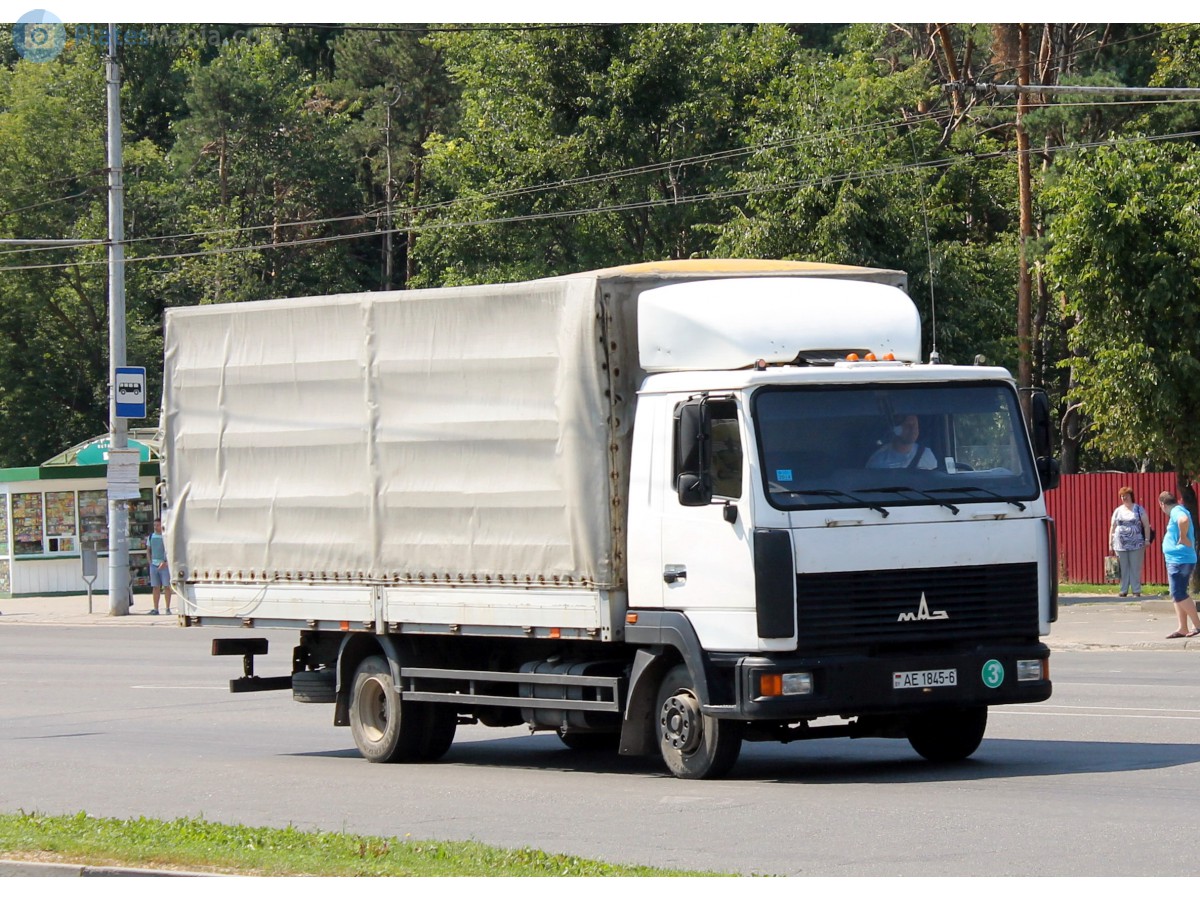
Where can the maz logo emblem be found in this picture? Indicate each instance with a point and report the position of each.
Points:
(923, 614)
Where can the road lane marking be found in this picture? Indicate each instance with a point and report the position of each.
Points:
(178, 687)
(1189, 717)
(1121, 709)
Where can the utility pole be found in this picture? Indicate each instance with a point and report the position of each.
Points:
(1025, 195)
(118, 510)
(389, 194)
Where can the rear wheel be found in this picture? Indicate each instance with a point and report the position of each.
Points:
(947, 735)
(385, 728)
(692, 744)
(318, 686)
(440, 724)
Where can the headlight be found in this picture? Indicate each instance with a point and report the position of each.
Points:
(786, 684)
(1032, 670)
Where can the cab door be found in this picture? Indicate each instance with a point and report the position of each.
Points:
(707, 563)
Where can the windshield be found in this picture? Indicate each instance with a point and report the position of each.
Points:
(945, 444)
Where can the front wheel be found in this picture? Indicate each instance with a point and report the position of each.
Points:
(692, 744)
(947, 735)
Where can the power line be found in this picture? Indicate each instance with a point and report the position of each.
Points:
(732, 193)
(1107, 90)
(83, 193)
(599, 178)
(436, 29)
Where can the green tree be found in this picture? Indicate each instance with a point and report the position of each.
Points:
(53, 303)
(587, 147)
(1124, 251)
(258, 164)
(396, 93)
(852, 167)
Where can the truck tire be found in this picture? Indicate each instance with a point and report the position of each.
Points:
(319, 686)
(693, 745)
(385, 728)
(947, 735)
(440, 724)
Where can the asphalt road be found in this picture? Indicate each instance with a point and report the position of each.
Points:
(1100, 780)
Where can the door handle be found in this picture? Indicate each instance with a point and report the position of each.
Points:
(672, 574)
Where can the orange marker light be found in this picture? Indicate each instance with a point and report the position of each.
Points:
(891, 357)
(770, 685)
(852, 357)
(870, 357)
(631, 618)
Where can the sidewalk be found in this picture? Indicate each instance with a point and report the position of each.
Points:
(1085, 621)
(73, 610)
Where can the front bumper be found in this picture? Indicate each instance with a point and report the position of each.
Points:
(858, 684)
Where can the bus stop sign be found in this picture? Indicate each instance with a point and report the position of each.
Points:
(130, 387)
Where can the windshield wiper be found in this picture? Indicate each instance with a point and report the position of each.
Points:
(909, 490)
(978, 490)
(830, 492)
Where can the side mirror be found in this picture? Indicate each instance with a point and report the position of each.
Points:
(692, 490)
(693, 453)
(1040, 428)
(1049, 472)
(1041, 435)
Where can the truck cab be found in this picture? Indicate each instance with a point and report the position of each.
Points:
(888, 513)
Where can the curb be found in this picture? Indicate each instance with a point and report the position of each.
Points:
(13, 868)
(1178, 644)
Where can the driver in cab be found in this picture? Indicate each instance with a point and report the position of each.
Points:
(904, 450)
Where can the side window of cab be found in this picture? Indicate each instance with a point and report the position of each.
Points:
(727, 456)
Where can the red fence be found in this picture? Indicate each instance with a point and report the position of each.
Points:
(1082, 507)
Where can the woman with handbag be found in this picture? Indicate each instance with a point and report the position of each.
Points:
(1128, 533)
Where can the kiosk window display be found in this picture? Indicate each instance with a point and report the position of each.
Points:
(27, 525)
(60, 522)
(5, 568)
(141, 524)
(93, 519)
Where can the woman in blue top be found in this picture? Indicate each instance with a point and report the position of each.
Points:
(1179, 551)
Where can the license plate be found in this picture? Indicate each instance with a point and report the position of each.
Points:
(925, 679)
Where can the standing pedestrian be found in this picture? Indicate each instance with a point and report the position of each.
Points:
(1179, 551)
(1128, 533)
(160, 572)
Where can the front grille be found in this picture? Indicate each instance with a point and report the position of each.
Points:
(882, 610)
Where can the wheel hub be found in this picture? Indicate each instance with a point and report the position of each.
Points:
(681, 722)
(374, 709)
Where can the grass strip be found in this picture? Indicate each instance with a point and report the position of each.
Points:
(198, 845)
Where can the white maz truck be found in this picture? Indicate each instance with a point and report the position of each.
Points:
(661, 508)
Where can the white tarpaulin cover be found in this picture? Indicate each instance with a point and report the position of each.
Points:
(464, 436)
(406, 435)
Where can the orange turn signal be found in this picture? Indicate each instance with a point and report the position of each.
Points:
(770, 685)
